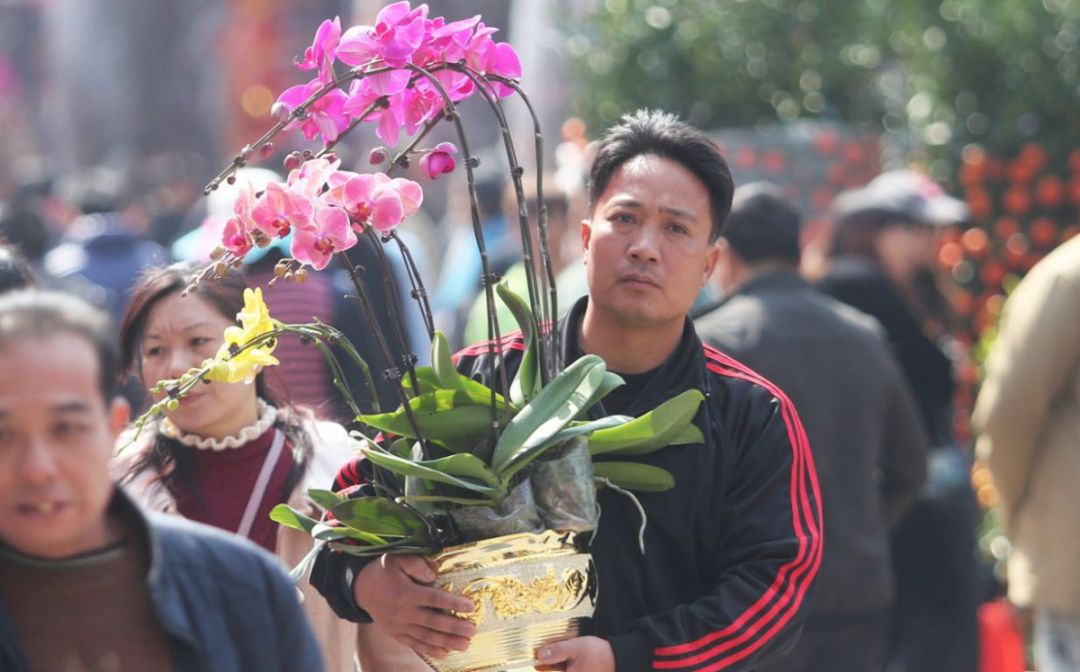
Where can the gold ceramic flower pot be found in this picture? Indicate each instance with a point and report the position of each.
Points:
(529, 590)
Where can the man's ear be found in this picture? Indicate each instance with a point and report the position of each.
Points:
(586, 235)
(119, 414)
(712, 256)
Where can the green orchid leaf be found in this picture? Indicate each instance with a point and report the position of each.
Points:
(425, 379)
(325, 532)
(379, 516)
(635, 476)
(526, 382)
(579, 427)
(654, 430)
(445, 373)
(434, 499)
(450, 470)
(610, 382)
(403, 546)
(527, 435)
(327, 499)
(442, 414)
(283, 514)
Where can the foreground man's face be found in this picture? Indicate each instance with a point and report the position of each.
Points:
(56, 437)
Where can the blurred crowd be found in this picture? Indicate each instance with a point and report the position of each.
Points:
(863, 345)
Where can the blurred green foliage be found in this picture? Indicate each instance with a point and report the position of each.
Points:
(942, 74)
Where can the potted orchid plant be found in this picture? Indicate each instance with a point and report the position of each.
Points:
(457, 462)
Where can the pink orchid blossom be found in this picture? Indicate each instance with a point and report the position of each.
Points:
(329, 233)
(490, 58)
(320, 55)
(311, 177)
(439, 160)
(398, 32)
(235, 238)
(421, 103)
(447, 42)
(280, 210)
(325, 117)
(412, 195)
(364, 92)
(371, 200)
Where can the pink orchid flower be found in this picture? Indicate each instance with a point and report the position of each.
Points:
(235, 238)
(412, 195)
(439, 160)
(447, 42)
(398, 32)
(490, 58)
(315, 245)
(279, 210)
(326, 116)
(320, 55)
(364, 92)
(371, 200)
(421, 103)
(311, 177)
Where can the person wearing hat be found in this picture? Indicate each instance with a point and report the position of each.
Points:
(882, 263)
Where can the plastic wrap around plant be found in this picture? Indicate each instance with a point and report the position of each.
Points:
(564, 489)
(516, 513)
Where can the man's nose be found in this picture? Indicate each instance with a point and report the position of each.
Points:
(38, 465)
(645, 246)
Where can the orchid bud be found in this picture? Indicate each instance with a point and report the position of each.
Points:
(377, 156)
(293, 161)
(279, 111)
(172, 404)
(267, 150)
(231, 180)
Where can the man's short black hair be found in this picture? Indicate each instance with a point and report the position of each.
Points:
(15, 271)
(662, 134)
(764, 224)
(37, 314)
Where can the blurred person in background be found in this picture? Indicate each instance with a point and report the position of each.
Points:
(103, 250)
(1027, 417)
(565, 248)
(861, 420)
(231, 451)
(25, 230)
(88, 579)
(15, 271)
(882, 263)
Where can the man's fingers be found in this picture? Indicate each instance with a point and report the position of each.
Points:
(441, 622)
(415, 567)
(558, 652)
(440, 599)
(422, 647)
(438, 638)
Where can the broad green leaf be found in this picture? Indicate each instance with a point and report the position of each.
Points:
(610, 382)
(635, 476)
(327, 499)
(402, 546)
(425, 376)
(284, 514)
(461, 501)
(526, 383)
(524, 438)
(379, 516)
(442, 414)
(449, 470)
(578, 427)
(325, 532)
(445, 373)
(653, 430)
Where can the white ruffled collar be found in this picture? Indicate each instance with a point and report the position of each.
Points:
(267, 416)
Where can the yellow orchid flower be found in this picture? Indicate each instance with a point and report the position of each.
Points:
(255, 320)
(242, 367)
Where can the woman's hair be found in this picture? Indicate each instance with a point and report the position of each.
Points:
(168, 457)
(15, 272)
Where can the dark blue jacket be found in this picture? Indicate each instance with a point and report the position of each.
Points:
(225, 604)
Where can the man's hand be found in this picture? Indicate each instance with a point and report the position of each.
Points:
(392, 590)
(581, 654)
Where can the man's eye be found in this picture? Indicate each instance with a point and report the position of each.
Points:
(623, 218)
(679, 228)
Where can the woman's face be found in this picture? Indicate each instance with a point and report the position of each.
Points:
(904, 249)
(181, 332)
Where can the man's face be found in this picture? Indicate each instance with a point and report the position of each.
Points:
(56, 436)
(647, 250)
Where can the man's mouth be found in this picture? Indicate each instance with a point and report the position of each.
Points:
(638, 279)
(45, 507)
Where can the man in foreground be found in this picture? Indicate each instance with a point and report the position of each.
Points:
(862, 422)
(732, 551)
(88, 581)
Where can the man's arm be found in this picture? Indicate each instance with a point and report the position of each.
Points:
(770, 550)
(1036, 348)
(293, 638)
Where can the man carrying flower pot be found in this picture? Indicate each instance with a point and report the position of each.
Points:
(88, 581)
(731, 552)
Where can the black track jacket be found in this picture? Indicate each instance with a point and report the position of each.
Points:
(731, 552)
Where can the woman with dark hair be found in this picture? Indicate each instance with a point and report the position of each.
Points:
(231, 451)
(882, 263)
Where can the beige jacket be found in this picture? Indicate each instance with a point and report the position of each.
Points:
(338, 638)
(1028, 420)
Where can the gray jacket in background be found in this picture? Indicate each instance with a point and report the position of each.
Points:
(864, 428)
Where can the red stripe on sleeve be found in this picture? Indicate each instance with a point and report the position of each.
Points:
(794, 578)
